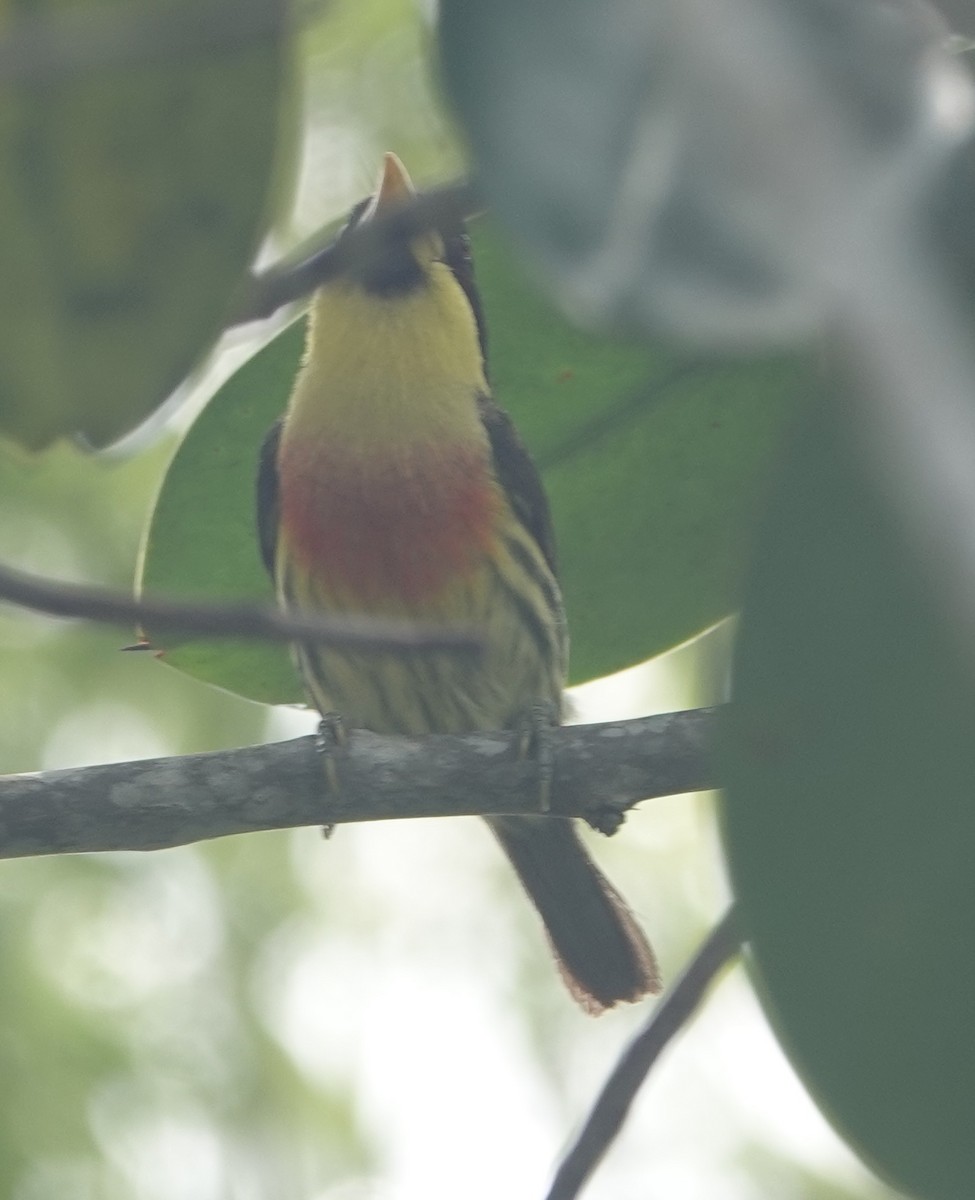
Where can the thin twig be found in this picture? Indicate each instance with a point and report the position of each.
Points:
(670, 1016)
(223, 620)
(442, 207)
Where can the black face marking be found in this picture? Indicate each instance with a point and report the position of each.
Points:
(397, 273)
(392, 270)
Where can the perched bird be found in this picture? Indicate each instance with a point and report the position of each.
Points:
(395, 486)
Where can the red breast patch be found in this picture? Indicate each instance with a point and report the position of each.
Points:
(398, 528)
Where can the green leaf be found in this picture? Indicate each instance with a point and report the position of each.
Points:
(202, 537)
(849, 821)
(653, 462)
(135, 157)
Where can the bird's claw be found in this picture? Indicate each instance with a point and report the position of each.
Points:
(535, 741)
(331, 736)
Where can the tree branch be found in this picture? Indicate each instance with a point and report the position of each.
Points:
(600, 772)
(441, 207)
(223, 620)
(668, 1018)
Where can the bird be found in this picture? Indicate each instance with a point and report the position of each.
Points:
(395, 486)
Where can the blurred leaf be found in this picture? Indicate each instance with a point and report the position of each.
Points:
(704, 166)
(849, 824)
(652, 461)
(136, 147)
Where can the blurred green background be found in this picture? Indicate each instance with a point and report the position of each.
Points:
(281, 1017)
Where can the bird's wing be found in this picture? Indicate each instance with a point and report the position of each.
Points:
(519, 477)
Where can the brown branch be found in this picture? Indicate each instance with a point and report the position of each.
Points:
(600, 771)
(222, 620)
(442, 207)
(628, 1076)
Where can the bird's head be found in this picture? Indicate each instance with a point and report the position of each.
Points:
(399, 261)
(402, 261)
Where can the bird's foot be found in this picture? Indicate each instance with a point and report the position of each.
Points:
(534, 740)
(331, 737)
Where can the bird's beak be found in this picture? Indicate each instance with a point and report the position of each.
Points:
(394, 189)
(401, 258)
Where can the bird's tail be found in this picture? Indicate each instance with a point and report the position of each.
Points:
(601, 951)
